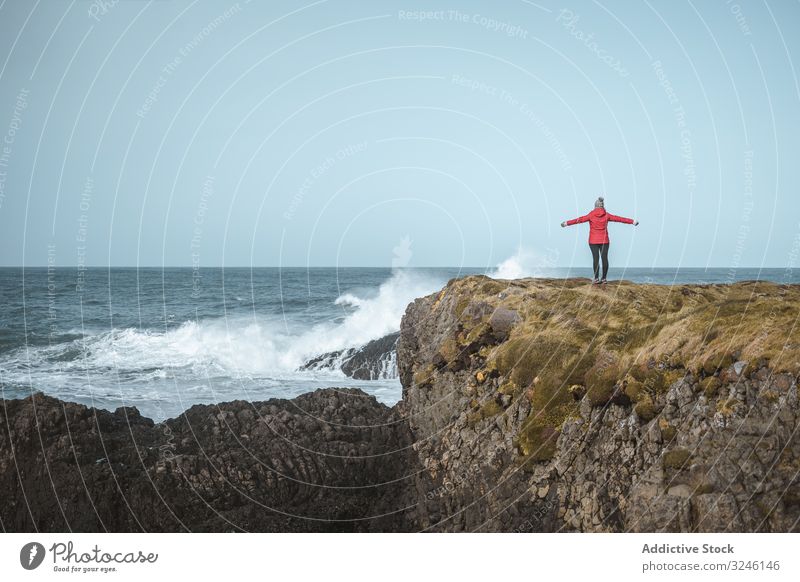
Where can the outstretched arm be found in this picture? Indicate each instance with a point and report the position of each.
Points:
(615, 218)
(576, 220)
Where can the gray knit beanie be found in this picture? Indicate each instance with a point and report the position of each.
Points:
(599, 203)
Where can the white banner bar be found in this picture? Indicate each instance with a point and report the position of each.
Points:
(352, 557)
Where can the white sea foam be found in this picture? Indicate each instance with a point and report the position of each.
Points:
(374, 317)
(523, 263)
(349, 299)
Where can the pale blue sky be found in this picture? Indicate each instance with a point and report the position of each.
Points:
(324, 133)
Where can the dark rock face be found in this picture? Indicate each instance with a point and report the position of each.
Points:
(527, 406)
(332, 460)
(373, 361)
(579, 420)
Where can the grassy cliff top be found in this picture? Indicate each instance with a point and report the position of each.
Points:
(682, 326)
(557, 342)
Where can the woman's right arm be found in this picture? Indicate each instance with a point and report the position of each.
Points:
(576, 220)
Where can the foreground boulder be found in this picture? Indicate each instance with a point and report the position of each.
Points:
(332, 460)
(532, 405)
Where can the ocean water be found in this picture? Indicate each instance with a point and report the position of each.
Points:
(165, 339)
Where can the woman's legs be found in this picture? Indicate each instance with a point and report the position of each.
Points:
(595, 259)
(604, 254)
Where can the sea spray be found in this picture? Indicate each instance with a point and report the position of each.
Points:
(526, 263)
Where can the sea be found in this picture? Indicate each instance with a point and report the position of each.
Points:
(164, 339)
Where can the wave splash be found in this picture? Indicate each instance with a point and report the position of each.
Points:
(242, 346)
(373, 317)
(525, 263)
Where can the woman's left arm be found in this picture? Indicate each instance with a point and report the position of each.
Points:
(615, 218)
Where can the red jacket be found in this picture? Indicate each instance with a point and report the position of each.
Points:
(598, 220)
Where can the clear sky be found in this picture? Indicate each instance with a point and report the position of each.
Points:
(353, 133)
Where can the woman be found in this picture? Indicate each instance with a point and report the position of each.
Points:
(598, 220)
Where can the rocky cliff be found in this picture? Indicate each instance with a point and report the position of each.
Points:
(558, 406)
(532, 405)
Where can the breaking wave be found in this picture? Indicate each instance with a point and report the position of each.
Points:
(241, 346)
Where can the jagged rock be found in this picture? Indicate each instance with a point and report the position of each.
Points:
(502, 321)
(372, 361)
(375, 359)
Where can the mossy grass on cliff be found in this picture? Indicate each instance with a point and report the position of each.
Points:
(623, 342)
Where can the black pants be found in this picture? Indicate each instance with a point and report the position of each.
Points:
(599, 250)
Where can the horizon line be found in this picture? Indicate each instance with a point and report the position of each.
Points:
(76, 267)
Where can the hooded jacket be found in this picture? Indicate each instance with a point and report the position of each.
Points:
(598, 220)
